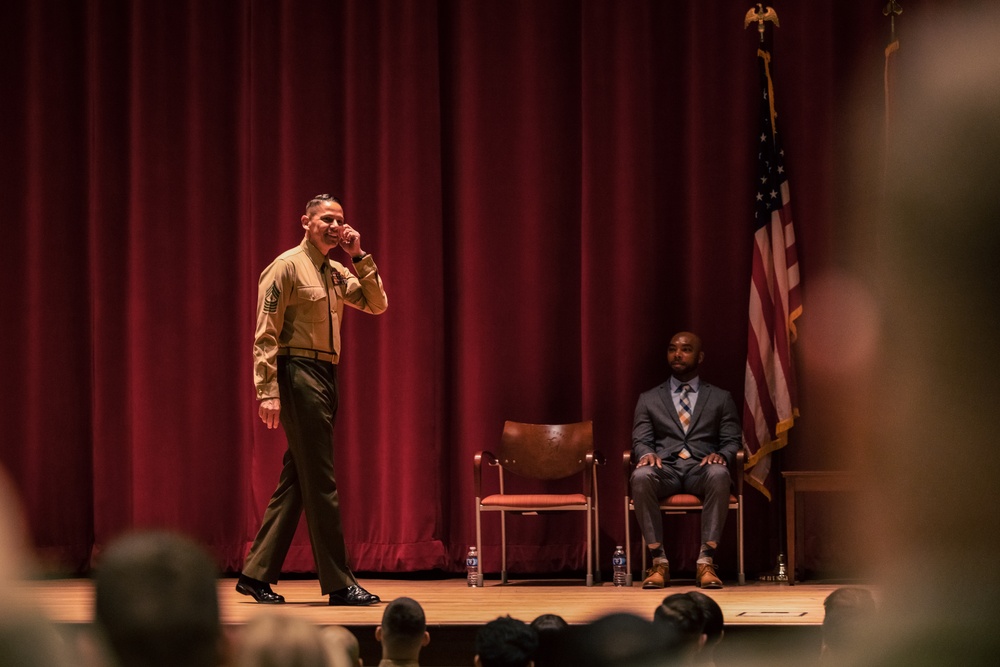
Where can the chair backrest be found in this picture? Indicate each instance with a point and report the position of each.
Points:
(545, 451)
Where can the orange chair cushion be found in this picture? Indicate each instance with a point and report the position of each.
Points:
(534, 500)
(681, 500)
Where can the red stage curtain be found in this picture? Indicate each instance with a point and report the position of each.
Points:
(550, 190)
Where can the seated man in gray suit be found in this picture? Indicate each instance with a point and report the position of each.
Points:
(685, 437)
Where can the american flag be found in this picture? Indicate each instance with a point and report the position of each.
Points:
(770, 403)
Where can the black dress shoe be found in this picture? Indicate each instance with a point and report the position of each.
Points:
(353, 596)
(258, 590)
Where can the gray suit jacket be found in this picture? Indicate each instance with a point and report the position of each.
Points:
(715, 425)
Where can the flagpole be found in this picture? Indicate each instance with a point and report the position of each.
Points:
(761, 15)
(779, 575)
(892, 9)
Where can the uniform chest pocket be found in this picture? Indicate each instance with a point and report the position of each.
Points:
(312, 304)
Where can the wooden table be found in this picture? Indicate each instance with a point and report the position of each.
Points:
(809, 480)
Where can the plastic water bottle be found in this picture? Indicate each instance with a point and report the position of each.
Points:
(618, 563)
(472, 567)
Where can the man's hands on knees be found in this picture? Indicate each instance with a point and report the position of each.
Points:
(649, 460)
(269, 410)
(713, 458)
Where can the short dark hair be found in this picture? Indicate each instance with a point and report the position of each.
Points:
(551, 629)
(155, 600)
(506, 642)
(549, 622)
(682, 613)
(320, 199)
(403, 621)
(710, 609)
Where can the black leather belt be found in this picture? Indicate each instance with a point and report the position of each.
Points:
(306, 352)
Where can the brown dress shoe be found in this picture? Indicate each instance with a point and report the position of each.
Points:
(657, 576)
(706, 576)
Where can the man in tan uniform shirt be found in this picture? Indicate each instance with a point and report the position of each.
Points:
(300, 304)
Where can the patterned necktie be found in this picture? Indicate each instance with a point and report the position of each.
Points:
(684, 411)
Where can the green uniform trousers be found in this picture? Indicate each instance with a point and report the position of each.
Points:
(308, 392)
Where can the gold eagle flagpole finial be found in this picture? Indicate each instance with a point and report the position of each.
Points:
(760, 14)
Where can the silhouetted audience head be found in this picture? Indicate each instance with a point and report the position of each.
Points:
(619, 640)
(28, 639)
(156, 601)
(342, 647)
(14, 555)
(549, 623)
(550, 629)
(684, 615)
(714, 625)
(505, 642)
(930, 266)
(403, 631)
(712, 613)
(849, 613)
(279, 640)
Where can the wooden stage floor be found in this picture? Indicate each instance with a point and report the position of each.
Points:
(758, 612)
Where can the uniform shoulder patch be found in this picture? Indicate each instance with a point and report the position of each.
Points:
(271, 298)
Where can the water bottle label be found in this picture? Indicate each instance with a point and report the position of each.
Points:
(472, 561)
(618, 561)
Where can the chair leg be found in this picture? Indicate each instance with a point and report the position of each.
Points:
(590, 549)
(628, 548)
(739, 540)
(503, 547)
(597, 536)
(479, 541)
